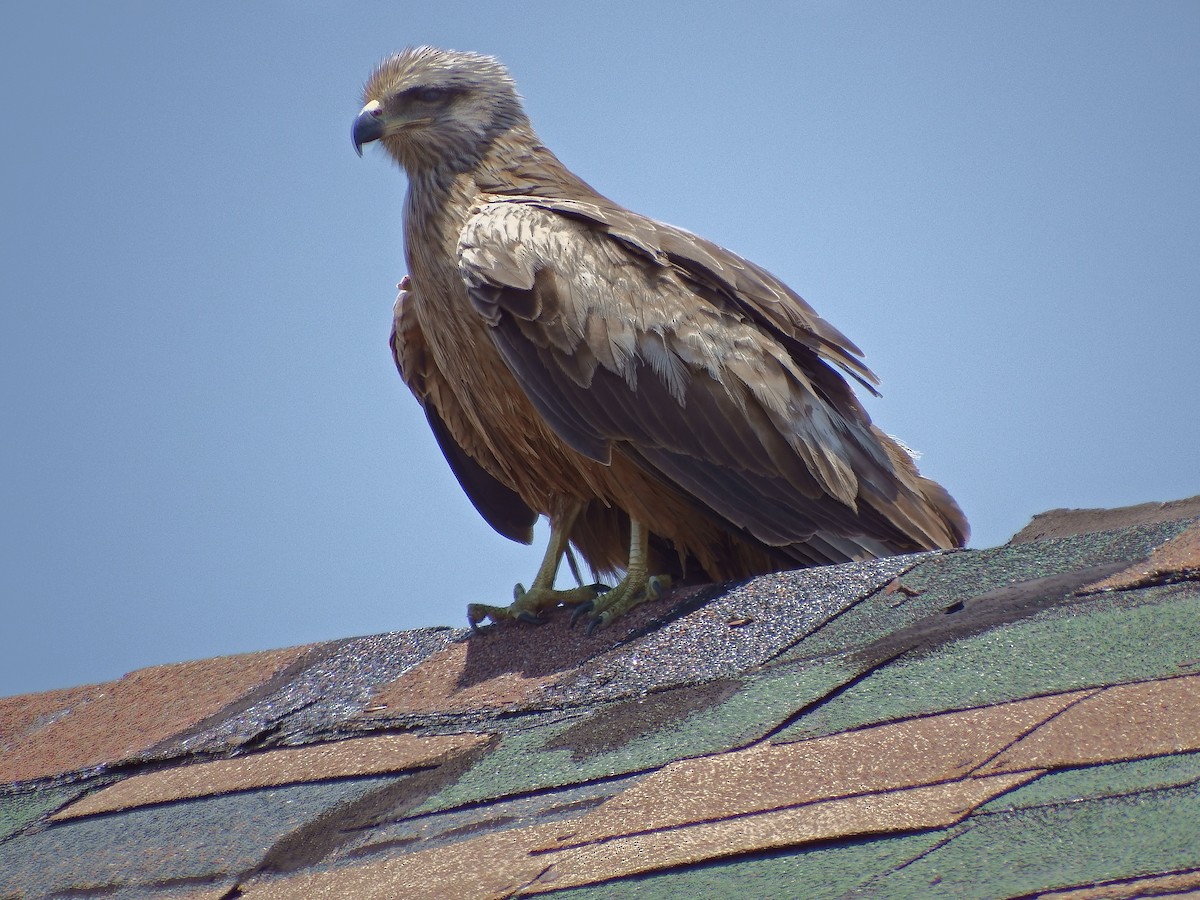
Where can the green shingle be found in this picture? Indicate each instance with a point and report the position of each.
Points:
(1109, 780)
(519, 764)
(17, 811)
(763, 702)
(952, 577)
(1025, 851)
(1102, 641)
(204, 838)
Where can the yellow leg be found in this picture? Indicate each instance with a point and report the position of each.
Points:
(635, 588)
(528, 605)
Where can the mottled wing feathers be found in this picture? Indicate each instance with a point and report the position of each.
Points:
(500, 506)
(731, 279)
(620, 346)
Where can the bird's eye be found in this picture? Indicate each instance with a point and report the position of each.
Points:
(428, 94)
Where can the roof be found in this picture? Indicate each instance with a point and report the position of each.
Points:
(1017, 721)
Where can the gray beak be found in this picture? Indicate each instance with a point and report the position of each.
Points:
(367, 127)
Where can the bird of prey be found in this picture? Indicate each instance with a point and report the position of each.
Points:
(677, 412)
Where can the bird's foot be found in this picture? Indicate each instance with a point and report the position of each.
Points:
(609, 606)
(529, 605)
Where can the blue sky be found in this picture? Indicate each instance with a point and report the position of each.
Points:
(206, 448)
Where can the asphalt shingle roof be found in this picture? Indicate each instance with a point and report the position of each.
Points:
(1018, 721)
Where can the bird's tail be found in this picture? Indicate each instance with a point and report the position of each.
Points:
(925, 511)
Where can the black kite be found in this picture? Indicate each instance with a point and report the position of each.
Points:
(675, 410)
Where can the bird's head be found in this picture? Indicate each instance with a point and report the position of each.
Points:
(435, 108)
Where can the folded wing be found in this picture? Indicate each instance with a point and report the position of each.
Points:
(633, 337)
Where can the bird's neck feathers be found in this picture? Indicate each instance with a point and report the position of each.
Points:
(514, 163)
(519, 164)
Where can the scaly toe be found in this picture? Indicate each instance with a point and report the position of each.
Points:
(529, 606)
(480, 612)
(610, 606)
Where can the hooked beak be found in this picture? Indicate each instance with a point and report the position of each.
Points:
(368, 126)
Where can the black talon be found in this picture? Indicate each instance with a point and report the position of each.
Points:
(581, 610)
(594, 623)
(529, 618)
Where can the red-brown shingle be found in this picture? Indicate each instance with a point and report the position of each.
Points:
(1178, 557)
(342, 759)
(64, 731)
(1126, 721)
(933, 806)
(1161, 887)
(769, 776)
(445, 683)
(502, 864)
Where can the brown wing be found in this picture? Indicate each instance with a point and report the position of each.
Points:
(733, 281)
(698, 368)
(500, 506)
